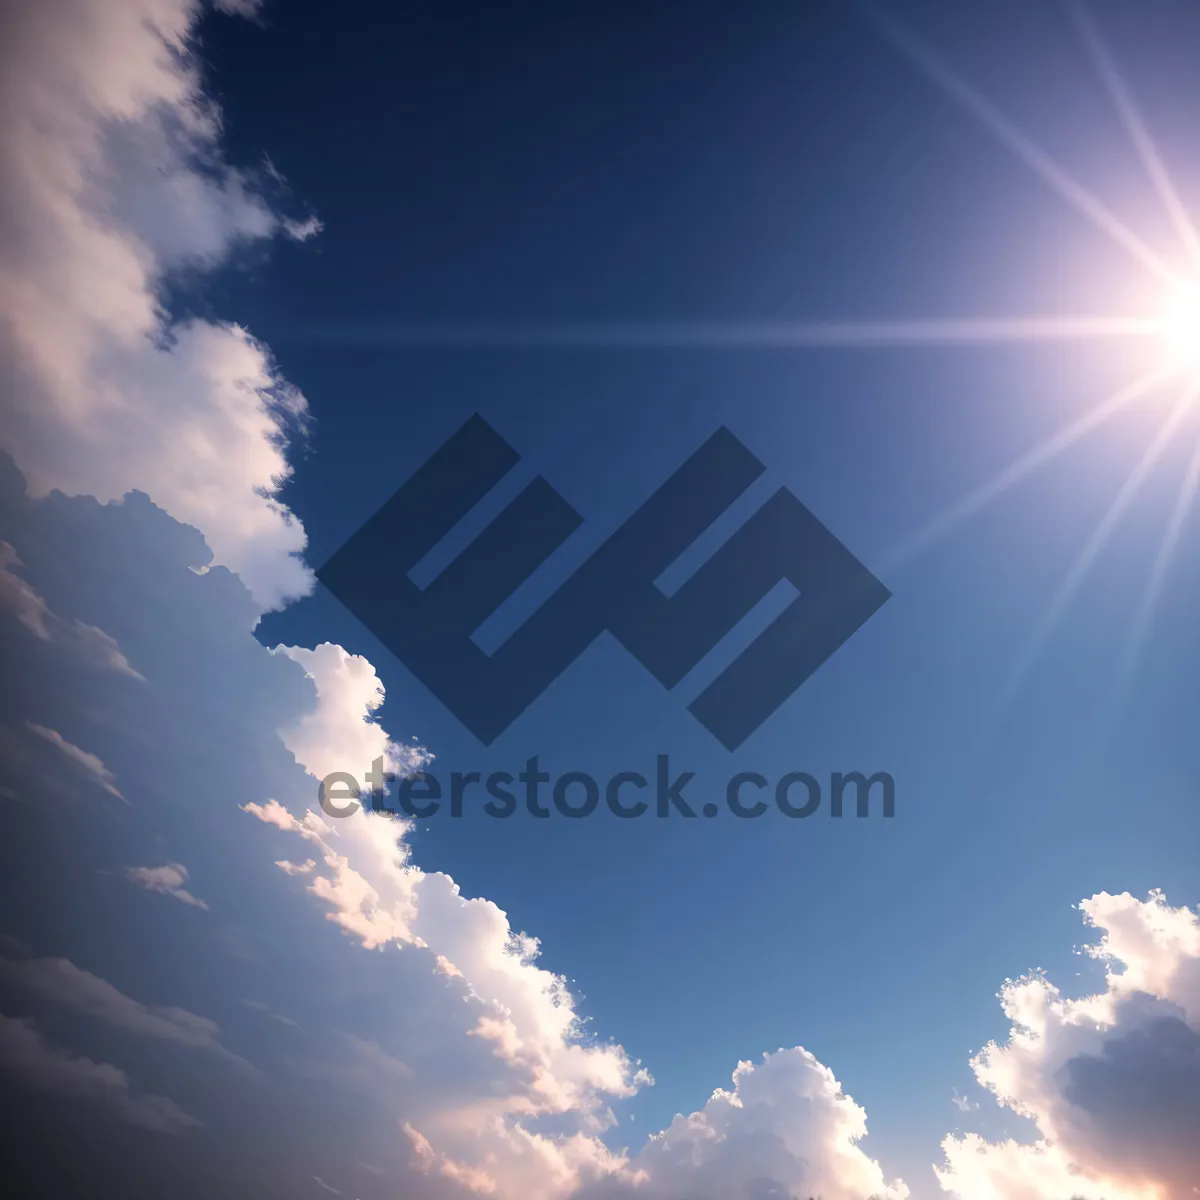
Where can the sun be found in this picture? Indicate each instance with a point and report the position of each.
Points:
(1178, 328)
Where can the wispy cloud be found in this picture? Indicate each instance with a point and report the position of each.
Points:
(291, 868)
(87, 762)
(26, 1054)
(168, 880)
(19, 599)
(60, 982)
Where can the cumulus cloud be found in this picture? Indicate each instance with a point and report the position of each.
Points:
(114, 179)
(111, 152)
(468, 1039)
(167, 880)
(470, 1064)
(1111, 1080)
(26, 1055)
(111, 155)
(342, 732)
(522, 1015)
(427, 1160)
(786, 1123)
(785, 1129)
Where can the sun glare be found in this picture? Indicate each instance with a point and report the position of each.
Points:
(1179, 331)
(1171, 329)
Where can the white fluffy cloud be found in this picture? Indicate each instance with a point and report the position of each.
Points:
(1112, 1080)
(342, 732)
(785, 1129)
(521, 1015)
(113, 178)
(786, 1123)
(111, 152)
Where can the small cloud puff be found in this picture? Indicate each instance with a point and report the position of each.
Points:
(168, 880)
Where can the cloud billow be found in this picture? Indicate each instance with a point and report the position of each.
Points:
(114, 180)
(426, 1050)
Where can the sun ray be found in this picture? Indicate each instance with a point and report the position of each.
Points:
(1158, 573)
(1135, 127)
(932, 331)
(1083, 562)
(1015, 472)
(938, 72)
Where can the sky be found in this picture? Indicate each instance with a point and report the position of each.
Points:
(931, 265)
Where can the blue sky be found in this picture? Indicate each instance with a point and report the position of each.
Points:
(609, 233)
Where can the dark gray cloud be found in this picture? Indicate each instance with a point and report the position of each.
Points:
(1141, 1099)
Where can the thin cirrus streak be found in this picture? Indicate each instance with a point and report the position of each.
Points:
(1041, 454)
(1135, 127)
(933, 331)
(1029, 152)
(1078, 571)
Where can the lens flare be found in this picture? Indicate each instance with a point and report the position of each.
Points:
(1179, 331)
